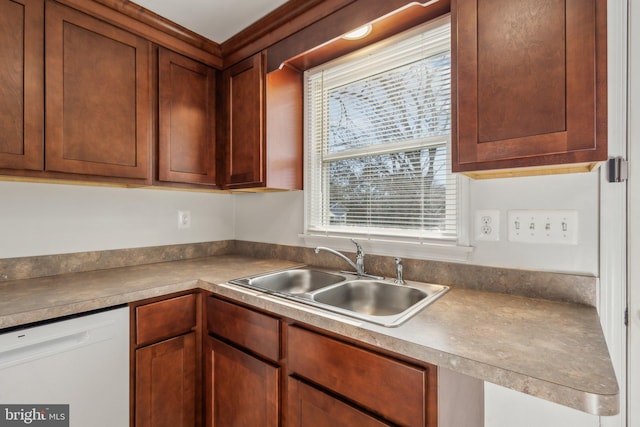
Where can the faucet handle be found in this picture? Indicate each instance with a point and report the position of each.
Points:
(399, 280)
(359, 250)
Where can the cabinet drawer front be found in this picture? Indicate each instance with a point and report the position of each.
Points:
(164, 319)
(393, 389)
(309, 406)
(252, 330)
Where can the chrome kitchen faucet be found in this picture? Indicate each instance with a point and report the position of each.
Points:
(358, 266)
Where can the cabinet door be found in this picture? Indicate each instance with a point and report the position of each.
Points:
(245, 130)
(309, 407)
(529, 83)
(165, 387)
(242, 391)
(98, 104)
(186, 120)
(21, 84)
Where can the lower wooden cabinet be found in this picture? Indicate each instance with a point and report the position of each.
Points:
(242, 390)
(166, 383)
(166, 354)
(394, 390)
(262, 370)
(251, 368)
(309, 407)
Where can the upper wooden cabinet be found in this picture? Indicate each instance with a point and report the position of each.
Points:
(21, 84)
(244, 98)
(98, 104)
(529, 86)
(186, 107)
(262, 126)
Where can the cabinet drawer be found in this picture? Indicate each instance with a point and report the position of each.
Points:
(247, 328)
(393, 389)
(164, 319)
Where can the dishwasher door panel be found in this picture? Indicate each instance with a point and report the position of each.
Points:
(82, 362)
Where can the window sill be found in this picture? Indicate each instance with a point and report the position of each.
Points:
(414, 249)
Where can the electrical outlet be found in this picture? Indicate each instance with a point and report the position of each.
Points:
(488, 225)
(184, 219)
(541, 226)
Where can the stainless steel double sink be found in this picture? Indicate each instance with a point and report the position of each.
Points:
(382, 302)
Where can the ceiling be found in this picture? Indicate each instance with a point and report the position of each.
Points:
(217, 20)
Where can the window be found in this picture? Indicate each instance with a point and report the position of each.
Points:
(377, 132)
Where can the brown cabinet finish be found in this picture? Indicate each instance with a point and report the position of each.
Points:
(164, 319)
(352, 386)
(166, 383)
(284, 129)
(371, 380)
(186, 151)
(166, 361)
(244, 98)
(98, 103)
(242, 390)
(250, 329)
(310, 407)
(529, 84)
(21, 84)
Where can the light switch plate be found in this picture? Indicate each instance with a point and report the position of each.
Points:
(543, 226)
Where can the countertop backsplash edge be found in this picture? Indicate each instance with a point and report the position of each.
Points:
(572, 288)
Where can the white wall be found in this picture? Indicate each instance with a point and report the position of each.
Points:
(42, 219)
(270, 217)
(279, 218)
(578, 192)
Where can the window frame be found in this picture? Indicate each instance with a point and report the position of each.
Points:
(454, 248)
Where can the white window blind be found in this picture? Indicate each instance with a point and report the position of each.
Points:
(377, 131)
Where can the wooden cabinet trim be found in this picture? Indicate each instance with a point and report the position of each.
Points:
(284, 129)
(152, 27)
(289, 18)
(334, 25)
(22, 105)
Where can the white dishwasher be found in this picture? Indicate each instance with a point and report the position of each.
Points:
(81, 361)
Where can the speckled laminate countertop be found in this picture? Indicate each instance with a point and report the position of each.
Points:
(548, 349)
